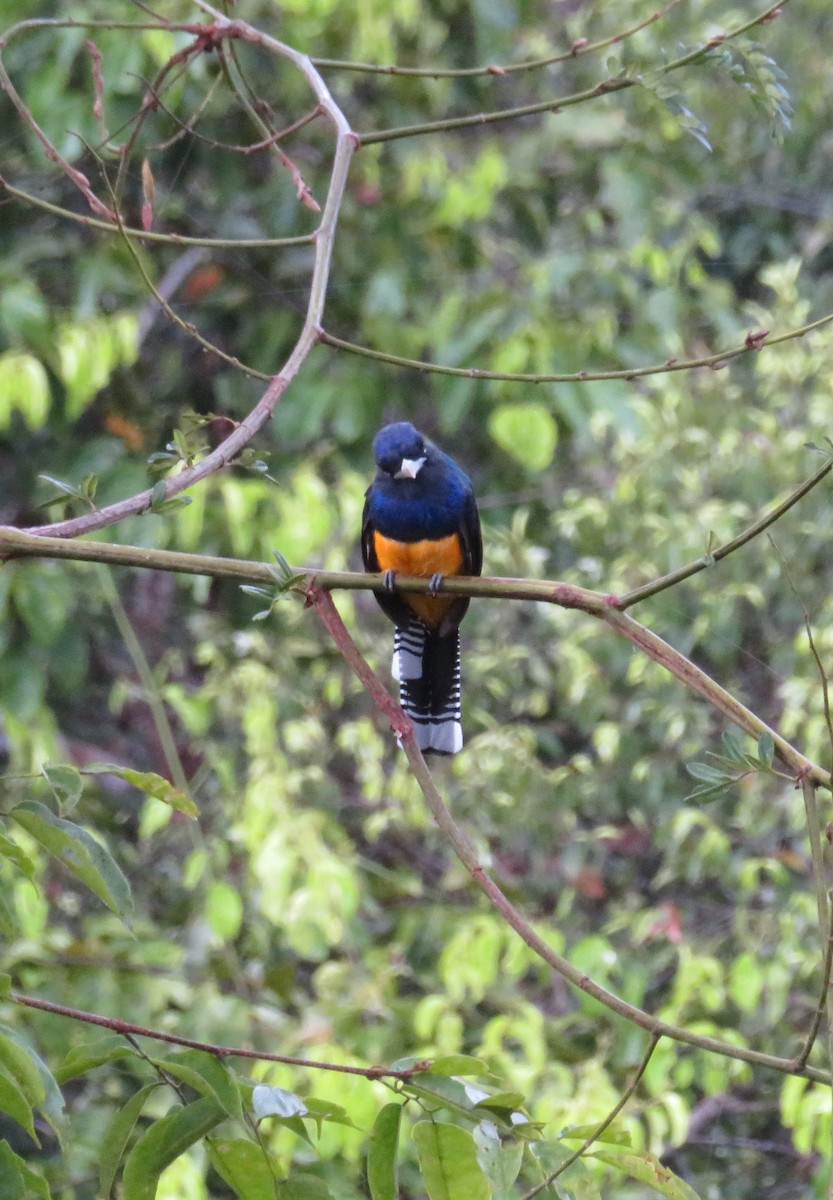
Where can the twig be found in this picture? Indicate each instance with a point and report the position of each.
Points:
(151, 691)
(173, 239)
(720, 552)
(579, 49)
(603, 88)
(129, 1027)
(602, 1126)
(754, 341)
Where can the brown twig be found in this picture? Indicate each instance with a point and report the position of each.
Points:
(667, 367)
(579, 49)
(116, 1025)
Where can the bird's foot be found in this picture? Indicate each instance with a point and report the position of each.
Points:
(435, 583)
(387, 581)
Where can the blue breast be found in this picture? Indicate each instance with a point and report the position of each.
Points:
(430, 506)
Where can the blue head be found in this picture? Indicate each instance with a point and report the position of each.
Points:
(400, 450)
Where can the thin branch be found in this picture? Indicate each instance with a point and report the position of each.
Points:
(698, 681)
(713, 556)
(174, 239)
(130, 1028)
(579, 49)
(754, 341)
(23, 543)
(152, 695)
(602, 1126)
(187, 327)
(603, 88)
(824, 997)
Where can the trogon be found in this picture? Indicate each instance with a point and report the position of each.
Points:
(420, 518)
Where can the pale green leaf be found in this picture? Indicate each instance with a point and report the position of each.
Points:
(448, 1162)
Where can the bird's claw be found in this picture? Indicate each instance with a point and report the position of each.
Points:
(435, 583)
(387, 580)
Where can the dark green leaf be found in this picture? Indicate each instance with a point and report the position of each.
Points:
(79, 852)
(163, 1143)
(381, 1158)
(118, 1135)
(207, 1075)
(242, 1164)
(89, 1055)
(66, 784)
(19, 1181)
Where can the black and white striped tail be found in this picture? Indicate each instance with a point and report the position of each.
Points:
(428, 669)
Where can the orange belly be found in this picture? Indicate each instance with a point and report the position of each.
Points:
(424, 559)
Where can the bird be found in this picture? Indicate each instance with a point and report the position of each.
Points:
(420, 518)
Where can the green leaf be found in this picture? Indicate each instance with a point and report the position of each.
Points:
(527, 432)
(65, 489)
(10, 850)
(66, 784)
(223, 909)
(118, 1135)
(163, 1143)
(13, 1101)
(708, 773)
(19, 1181)
(79, 852)
(86, 1057)
(733, 745)
(440, 1090)
(17, 1062)
(242, 1164)
(501, 1163)
(448, 1162)
(207, 1075)
(326, 1110)
(159, 503)
(649, 1170)
(381, 1157)
(150, 783)
(304, 1187)
(44, 1093)
(5, 986)
(766, 748)
(576, 1181)
(580, 1133)
(458, 1064)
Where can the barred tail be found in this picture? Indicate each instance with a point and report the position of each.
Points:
(427, 666)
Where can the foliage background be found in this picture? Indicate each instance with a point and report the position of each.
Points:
(314, 909)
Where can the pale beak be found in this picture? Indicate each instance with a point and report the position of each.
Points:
(410, 468)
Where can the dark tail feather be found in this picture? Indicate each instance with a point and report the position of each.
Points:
(428, 669)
